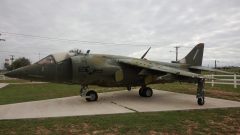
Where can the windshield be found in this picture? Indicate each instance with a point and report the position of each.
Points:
(55, 58)
(47, 60)
(61, 56)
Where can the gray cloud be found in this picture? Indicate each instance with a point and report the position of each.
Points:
(160, 24)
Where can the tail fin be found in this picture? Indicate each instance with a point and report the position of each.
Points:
(195, 56)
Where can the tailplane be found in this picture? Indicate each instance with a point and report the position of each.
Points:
(195, 56)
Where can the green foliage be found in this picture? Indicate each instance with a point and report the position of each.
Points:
(7, 66)
(20, 62)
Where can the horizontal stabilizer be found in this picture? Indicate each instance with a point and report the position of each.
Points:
(209, 69)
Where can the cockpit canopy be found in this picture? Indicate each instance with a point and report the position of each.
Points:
(55, 58)
(58, 57)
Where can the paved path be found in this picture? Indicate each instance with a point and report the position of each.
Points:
(109, 103)
(3, 85)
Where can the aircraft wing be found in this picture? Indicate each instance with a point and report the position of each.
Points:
(209, 69)
(157, 67)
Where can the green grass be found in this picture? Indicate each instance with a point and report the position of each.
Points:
(14, 81)
(214, 121)
(15, 93)
(218, 91)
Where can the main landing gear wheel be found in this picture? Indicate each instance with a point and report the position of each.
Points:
(91, 96)
(200, 92)
(200, 101)
(145, 92)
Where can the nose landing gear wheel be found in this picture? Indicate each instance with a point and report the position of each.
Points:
(91, 96)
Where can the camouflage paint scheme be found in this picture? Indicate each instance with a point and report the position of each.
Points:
(112, 70)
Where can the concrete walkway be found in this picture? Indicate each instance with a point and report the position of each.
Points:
(109, 103)
(3, 85)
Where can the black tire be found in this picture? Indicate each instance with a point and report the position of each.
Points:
(145, 92)
(93, 96)
(200, 101)
(148, 92)
(141, 92)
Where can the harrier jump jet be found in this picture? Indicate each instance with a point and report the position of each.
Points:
(116, 71)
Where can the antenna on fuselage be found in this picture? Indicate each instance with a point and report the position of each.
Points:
(145, 53)
(88, 51)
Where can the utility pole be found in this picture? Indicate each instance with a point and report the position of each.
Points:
(39, 56)
(216, 63)
(1, 39)
(12, 58)
(177, 52)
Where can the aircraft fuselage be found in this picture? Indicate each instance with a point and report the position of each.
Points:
(93, 69)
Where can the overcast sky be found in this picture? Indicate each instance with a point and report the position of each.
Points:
(36, 28)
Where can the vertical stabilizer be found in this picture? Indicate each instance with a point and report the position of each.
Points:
(195, 56)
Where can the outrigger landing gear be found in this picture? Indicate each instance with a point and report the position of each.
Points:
(200, 92)
(90, 95)
(145, 91)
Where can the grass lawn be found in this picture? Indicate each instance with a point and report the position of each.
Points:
(15, 93)
(213, 121)
(14, 81)
(218, 91)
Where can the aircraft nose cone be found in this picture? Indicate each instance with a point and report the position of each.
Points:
(17, 73)
(9, 74)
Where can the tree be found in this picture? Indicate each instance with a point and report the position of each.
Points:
(20, 62)
(7, 66)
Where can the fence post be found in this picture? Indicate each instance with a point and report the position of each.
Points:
(235, 81)
(212, 80)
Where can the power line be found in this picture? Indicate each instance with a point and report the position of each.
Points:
(71, 40)
(21, 52)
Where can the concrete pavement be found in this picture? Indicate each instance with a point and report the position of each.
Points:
(109, 103)
(3, 85)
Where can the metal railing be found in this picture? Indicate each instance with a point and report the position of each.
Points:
(224, 79)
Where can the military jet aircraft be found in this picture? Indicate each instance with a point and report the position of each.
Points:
(116, 71)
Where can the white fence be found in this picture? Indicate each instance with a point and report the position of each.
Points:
(216, 79)
(224, 79)
(2, 77)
